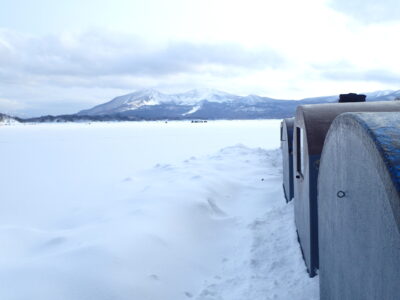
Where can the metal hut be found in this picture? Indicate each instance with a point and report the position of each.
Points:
(359, 208)
(311, 125)
(287, 157)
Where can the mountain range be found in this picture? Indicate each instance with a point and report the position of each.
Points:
(150, 104)
(6, 119)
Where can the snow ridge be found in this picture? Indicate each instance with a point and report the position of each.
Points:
(123, 211)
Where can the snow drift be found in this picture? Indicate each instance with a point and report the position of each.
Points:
(147, 211)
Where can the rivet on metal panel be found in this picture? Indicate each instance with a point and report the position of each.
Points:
(341, 194)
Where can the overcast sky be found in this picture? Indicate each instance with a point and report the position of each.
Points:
(62, 56)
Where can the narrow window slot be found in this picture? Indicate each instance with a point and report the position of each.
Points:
(299, 152)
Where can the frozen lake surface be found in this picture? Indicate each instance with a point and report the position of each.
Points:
(147, 210)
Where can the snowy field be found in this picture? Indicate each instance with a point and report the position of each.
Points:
(147, 210)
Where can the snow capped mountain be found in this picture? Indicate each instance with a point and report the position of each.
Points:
(127, 102)
(211, 95)
(380, 93)
(206, 104)
(150, 104)
(387, 95)
(150, 97)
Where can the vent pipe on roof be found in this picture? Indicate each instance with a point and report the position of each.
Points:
(352, 97)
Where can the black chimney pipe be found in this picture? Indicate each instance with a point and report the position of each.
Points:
(351, 97)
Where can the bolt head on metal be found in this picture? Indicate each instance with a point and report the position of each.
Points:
(341, 194)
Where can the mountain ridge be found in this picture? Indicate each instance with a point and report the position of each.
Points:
(209, 104)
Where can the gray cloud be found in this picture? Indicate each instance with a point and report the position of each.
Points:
(369, 11)
(94, 54)
(63, 74)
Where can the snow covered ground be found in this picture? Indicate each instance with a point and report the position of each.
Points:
(147, 210)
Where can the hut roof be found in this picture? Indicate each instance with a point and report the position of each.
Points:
(317, 118)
